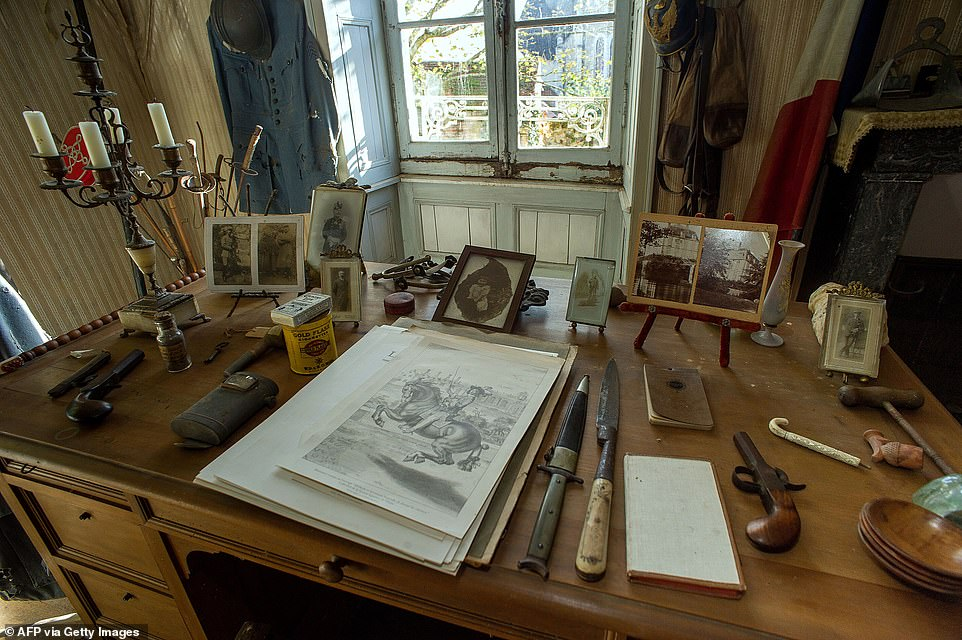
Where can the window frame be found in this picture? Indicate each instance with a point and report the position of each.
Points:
(501, 59)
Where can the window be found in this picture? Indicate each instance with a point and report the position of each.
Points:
(509, 80)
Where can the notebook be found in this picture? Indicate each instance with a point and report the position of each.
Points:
(676, 528)
(676, 398)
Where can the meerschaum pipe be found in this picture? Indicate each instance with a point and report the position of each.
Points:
(897, 454)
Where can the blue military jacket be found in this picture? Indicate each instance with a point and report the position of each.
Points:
(291, 95)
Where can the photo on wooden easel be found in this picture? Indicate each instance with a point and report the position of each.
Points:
(715, 267)
(254, 253)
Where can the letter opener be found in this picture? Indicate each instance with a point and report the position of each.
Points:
(775, 426)
(592, 559)
(562, 461)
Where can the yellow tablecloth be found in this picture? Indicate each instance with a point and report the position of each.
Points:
(858, 122)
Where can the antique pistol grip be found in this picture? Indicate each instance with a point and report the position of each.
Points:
(779, 530)
(781, 527)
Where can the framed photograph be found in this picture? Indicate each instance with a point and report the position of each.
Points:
(590, 291)
(486, 288)
(337, 217)
(341, 279)
(254, 253)
(716, 267)
(852, 339)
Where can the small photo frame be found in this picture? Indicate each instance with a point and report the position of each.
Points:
(486, 288)
(254, 253)
(590, 291)
(715, 267)
(337, 217)
(852, 339)
(341, 279)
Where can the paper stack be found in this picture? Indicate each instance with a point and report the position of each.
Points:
(400, 444)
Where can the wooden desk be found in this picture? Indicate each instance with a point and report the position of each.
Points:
(115, 513)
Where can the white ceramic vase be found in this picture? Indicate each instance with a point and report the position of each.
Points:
(778, 296)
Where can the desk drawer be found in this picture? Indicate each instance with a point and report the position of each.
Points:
(111, 602)
(89, 531)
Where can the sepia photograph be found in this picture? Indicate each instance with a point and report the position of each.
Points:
(486, 288)
(731, 271)
(229, 260)
(341, 279)
(590, 291)
(277, 260)
(704, 265)
(853, 334)
(665, 261)
(255, 253)
(337, 218)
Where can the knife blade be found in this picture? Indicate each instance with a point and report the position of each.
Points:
(592, 558)
(562, 461)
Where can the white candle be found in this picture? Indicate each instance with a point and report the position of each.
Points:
(161, 126)
(116, 134)
(99, 159)
(42, 138)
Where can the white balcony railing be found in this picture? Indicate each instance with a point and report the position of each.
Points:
(450, 118)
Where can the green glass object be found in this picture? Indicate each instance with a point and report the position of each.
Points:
(942, 496)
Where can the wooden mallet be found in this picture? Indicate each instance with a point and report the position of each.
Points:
(889, 399)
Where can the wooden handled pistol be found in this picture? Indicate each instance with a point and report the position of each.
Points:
(780, 528)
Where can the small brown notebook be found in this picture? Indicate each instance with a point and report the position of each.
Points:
(676, 398)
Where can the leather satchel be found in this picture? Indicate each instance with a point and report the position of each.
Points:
(725, 107)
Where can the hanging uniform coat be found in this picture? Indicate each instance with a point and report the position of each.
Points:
(289, 93)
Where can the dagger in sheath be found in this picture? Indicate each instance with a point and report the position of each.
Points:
(562, 461)
(592, 558)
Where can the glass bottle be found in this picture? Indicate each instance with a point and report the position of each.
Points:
(173, 347)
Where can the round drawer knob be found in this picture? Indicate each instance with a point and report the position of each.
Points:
(86, 515)
(331, 570)
(127, 597)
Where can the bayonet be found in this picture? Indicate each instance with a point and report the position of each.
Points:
(562, 461)
(592, 559)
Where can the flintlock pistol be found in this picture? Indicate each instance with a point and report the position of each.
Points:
(780, 529)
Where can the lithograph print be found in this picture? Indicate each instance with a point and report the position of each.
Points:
(429, 439)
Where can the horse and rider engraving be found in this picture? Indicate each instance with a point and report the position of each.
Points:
(424, 411)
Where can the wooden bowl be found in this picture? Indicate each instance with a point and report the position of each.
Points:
(905, 575)
(921, 536)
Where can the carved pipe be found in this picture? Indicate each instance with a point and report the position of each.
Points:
(897, 454)
(888, 399)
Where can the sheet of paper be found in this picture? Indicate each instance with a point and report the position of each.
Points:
(428, 436)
